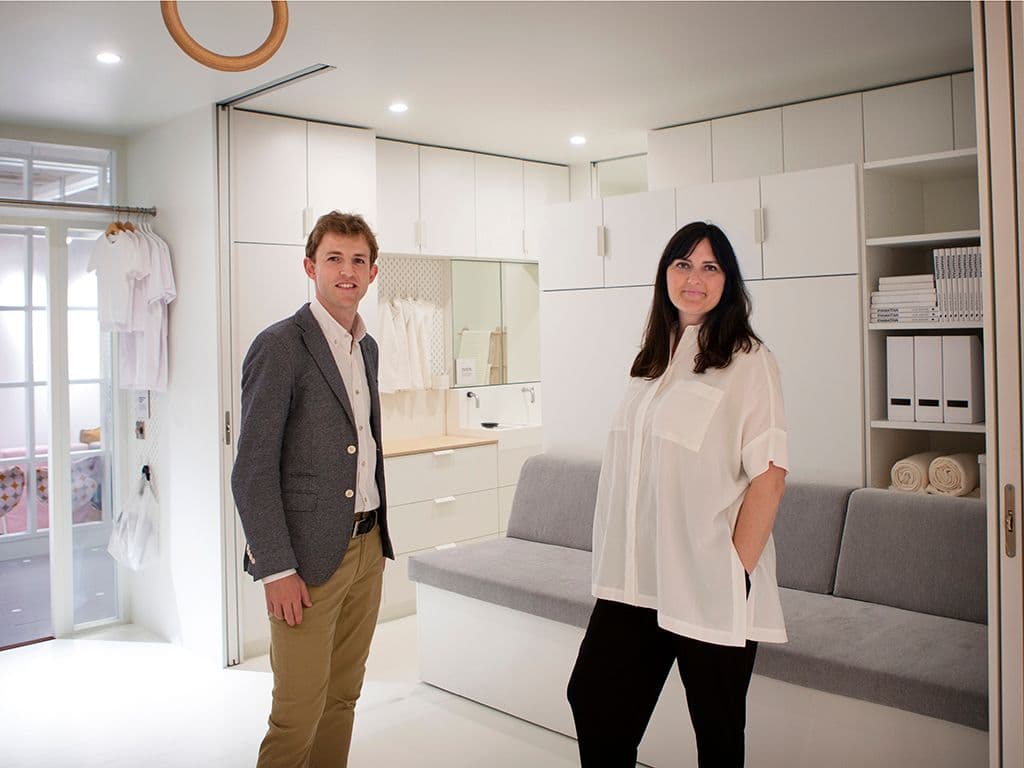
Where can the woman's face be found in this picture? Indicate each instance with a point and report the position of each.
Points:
(695, 284)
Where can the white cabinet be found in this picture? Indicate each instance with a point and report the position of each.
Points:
(398, 196)
(637, 228)
(342, 171)
(813, 328)
(268, 178)
(732, 206)
(911, 119)
(679, 157)
(571, 245)
(499, 208)
(543, 185)
(447, 203)
(965, 131)
(747, 145)
(811, 223)
(824, 132)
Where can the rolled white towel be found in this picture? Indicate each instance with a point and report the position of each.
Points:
(911, 473)
(955, 475)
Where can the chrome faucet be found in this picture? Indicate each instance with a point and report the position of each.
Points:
(475, 396)
(533, 395)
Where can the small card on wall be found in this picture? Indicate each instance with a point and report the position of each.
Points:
(141, 400)
(465, 371)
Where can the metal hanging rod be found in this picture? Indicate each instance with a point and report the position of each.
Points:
(5, 201)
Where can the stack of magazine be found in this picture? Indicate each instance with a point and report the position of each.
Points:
(904, 299)
(958, 283)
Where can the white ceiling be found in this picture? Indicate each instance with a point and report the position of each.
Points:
(515, 78)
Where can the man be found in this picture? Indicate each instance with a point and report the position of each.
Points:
(308, 482)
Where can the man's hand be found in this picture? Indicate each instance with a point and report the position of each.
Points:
(286, 597)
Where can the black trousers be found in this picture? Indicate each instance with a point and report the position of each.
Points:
(622, 666)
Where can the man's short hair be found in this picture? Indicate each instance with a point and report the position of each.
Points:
(340, 224)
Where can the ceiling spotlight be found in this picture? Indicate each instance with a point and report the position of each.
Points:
(578, 140)
(399, 107)
(108, 58)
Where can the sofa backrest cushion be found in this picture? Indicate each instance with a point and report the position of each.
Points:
(808, 529)
(919, 552)
(554, 501)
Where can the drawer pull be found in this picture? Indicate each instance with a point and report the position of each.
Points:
(446, 452)
(444, 500)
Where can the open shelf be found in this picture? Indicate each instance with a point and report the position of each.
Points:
(936, 166)
(927, 240)
(934, 325)
(923, 426)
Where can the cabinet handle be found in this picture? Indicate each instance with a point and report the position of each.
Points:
(444, 500)
(602, 248)
(446, 452)
(759, 225)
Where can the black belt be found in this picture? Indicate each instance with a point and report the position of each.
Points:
(364, 523)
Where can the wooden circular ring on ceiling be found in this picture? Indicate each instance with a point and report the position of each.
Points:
(206, 57)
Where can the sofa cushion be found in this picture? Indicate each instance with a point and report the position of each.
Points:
(808, 528)
(921, 553)
(541, 579)
(554, 501)
(927, 664)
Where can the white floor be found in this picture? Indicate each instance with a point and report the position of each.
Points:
(104, 701)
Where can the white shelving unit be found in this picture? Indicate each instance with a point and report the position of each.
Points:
(911, 206)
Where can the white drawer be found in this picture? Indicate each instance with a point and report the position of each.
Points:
(511, 460)
(505, 496)
(440, 473)
(443, 520)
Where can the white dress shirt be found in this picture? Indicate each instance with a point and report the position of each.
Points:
(680, 456)
(349, 358)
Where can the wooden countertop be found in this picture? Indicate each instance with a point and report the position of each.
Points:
(415, 445)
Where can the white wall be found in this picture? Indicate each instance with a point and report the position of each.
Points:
(173, 167)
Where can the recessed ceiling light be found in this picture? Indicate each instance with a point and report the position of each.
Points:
(399, 107)
(108, 58)
(578, 140)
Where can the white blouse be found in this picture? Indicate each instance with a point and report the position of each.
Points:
(680, 456)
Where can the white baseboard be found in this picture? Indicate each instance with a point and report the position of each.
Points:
(520, 664)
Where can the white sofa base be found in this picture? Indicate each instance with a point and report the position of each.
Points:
(520, 664)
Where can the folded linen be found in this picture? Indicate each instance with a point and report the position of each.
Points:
(955, 475)
(911, 473)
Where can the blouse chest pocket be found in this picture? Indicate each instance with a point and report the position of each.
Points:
(685, 412)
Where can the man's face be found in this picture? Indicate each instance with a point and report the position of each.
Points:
(341, 272)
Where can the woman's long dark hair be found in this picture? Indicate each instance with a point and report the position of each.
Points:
(726, 328)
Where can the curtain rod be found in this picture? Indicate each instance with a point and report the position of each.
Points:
(5, 201)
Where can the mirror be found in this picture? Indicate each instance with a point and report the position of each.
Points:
(495, 323)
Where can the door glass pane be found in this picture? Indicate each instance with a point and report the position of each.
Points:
(84, 356)
(12, 269)
(40, 346)
(40, 256)
(14, 499)
(12, 345)
(41, 414)
(12, 423)
(81, 282)
(12, 175)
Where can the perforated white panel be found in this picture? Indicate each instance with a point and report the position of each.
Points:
(425, 280)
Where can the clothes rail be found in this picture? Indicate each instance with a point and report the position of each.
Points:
(6, 201)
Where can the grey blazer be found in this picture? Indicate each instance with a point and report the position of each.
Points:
(293, 466)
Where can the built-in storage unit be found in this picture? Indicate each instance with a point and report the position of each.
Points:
(912, 206)
(441, 491)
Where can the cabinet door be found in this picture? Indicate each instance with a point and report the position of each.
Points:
(568, 244)
(637, 228)
(813, 328)
(732, 207)
(342, 171)
(543, 185)
(824, 132)
(911, 119)
(811, 222)
(268, 178)
(398, 196)
(747, 145)
(588, 342)
(679, 157)
(499, 207)
(447, 203)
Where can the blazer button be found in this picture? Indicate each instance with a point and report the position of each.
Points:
(349, 493)
(351, 449)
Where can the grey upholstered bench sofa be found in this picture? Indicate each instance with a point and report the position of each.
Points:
(885, 602)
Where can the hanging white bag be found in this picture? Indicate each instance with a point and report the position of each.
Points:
(134, 539)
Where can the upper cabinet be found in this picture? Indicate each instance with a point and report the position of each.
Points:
(636, 229)
(447, 205)
(679, 157)
(286, 172)
(499, 207)
(398, 196)
(733, 206)
(747, 145)
(571, 245)
(911, 119)
(543, 185)
(817, 134)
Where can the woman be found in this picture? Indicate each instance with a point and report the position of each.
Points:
(693, 472)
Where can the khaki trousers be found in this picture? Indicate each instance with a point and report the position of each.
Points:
(319, 664)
